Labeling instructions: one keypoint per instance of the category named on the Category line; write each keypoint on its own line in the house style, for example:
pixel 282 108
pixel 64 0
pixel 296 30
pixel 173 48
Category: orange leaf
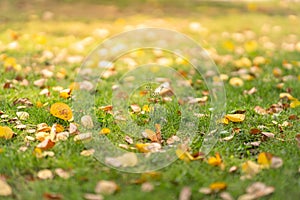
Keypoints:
pixel 218 186
pixel 61 111
pixel 215 161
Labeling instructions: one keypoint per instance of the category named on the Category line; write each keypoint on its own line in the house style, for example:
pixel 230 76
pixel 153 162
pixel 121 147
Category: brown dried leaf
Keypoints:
pixel 89 196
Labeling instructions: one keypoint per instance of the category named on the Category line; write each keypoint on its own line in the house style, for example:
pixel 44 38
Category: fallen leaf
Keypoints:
pixel 268 134
pixel 236 82
pixel 216 187
pixel 106 187
pixel 287 95
pixel 250 168
pixel 147 187
pixel 185 193
pixel 259 110
pixel 297 137
pixel 45 174
pixel 205 190
pixel 215 160
pixel 264 159
pixel 62 173
pixel 87 122
pixel 276 162
pixel 23 115
pixel 150 135
pixel 105 131
pixel 135 108
pixel 88 152
pixel 225 196
pixel 235 117
pixel 61 111
pixel 233 169
pixel 51 196
pixel 256 191
pixel 46 144
pixel 89 196
pixel 5 189
pixel 83 136
pixel 295 103
pixel 128 139
pixel 6 132
pixel 23 101
pixel 251 91
pixel 148 147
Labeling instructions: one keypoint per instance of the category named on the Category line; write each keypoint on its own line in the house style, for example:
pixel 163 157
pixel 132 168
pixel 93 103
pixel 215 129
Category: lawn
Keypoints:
pixel 44 47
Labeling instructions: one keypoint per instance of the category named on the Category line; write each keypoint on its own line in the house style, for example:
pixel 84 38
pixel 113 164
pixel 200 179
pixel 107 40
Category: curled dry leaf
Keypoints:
pixel 23 101
pixel 251 91
pixel 150 135
pixel 259 110
pixel 185 193
pixel 89 196
pixel 23 115
pixel 83 136
pixel 147 187
pixel 233 169
pixel 215 160
pixel 6 132
pixel 106 187
pixel 51 196
pixel 87 121
pixel 225 196
pixel 250 168
pixel 267 134
pixel 297 137
pixel 128 139
pixel 5 189
pixel 205 190
pixel 88 152
pixel 45 174
pixel 46 144
pixel 62 173
pixel 148 147
pixel 73 129
pixel 135 108
pixel 256 191
pixel 61 111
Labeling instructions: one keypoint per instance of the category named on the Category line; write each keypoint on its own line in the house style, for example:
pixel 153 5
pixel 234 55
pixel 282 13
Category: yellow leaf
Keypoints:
pixel 38 152
pixel 146 108
pixel 250 168
pixel 295 103
pixel 287 95
pixel 142 147
pixel 235 117
pixel 235 81
pixel 224 120
pixel 182 155
pixel 264 159
pixel 218 186
pixel 6 132
pixel 215 160
pixel 105 131
pixel 251 46
pixel 61 111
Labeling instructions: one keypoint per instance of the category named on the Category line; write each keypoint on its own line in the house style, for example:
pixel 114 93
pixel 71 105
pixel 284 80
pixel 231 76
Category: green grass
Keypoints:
pixel 20 168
